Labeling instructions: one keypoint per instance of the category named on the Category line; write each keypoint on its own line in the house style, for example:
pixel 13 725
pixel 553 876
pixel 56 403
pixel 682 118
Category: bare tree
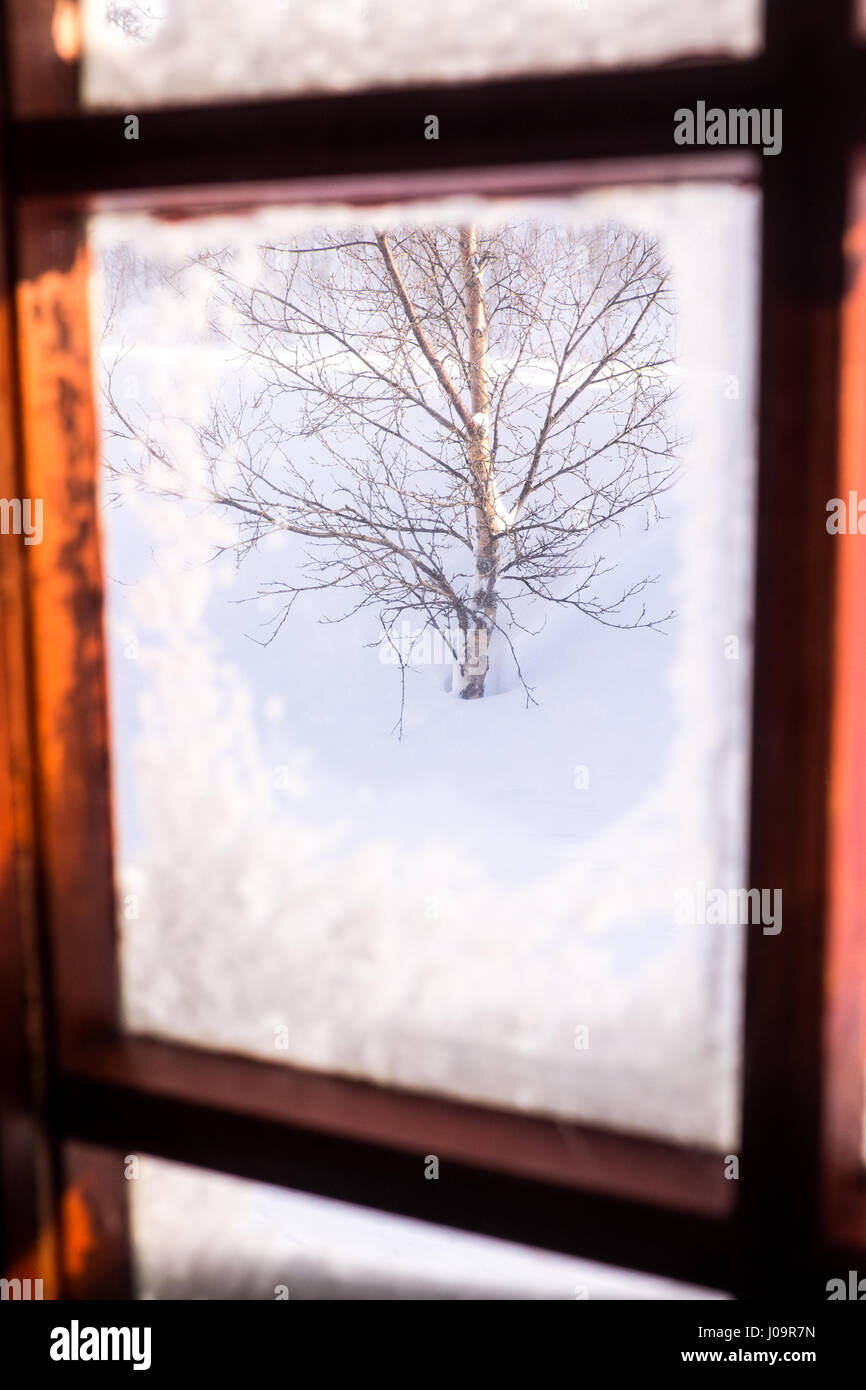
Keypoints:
pixel 448 418
pixel 132 17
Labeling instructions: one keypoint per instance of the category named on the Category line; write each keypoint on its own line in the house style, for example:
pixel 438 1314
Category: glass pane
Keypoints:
pixel 202 1235
pixel 141 53
pixel 431 642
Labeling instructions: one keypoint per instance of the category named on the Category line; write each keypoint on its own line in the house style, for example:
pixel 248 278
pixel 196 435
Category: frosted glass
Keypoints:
pixel 485 907
pixel 202 1235
pixel 145 52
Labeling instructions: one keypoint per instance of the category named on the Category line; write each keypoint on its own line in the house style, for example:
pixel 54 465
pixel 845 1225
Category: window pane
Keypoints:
pixel 431 729
pixel 145 52
pixel 202 1235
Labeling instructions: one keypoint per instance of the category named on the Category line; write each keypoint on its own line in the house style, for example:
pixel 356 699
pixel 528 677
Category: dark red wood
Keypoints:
pixel 28 1232
pixel 802 285
pixel 519 123
pixel 41 82
pixel 616 1199
pixel 646 1170
pixel 610 1197
pixel 363 190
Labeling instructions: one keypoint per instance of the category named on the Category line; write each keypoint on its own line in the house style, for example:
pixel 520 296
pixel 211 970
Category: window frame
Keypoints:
pixel 84 1094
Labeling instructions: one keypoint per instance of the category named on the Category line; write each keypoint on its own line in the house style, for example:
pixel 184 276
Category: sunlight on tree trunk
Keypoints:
pixel 482 623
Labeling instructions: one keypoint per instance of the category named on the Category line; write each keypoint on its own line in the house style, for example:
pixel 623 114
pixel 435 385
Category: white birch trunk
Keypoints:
pixel 480 624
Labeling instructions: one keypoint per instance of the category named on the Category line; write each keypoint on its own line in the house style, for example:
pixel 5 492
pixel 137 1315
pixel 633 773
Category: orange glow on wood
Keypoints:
pixel 66 30
pixel 79 1245
pixel 79 1239
pixel 846 962
pixel 61 467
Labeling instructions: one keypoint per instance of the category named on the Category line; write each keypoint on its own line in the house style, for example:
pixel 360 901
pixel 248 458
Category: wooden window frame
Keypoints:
pixel 75 1091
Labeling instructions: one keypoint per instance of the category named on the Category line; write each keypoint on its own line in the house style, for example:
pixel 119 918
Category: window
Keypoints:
pixel 203 1234
pixel 165 53
pixel 151 924
pixel 509 875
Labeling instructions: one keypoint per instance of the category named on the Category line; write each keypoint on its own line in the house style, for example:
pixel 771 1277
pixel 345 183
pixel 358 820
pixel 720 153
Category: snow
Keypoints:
pixel 504 516
pixel 193 50
pixel 444 910
pixel 204 1235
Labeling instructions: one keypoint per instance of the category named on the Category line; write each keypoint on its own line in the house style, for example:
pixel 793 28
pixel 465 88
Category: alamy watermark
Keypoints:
pixel 77 1343
pixel 22 516
pixel 409 646
pixel 737 126
pixel 854 1288
pixel 20 1289
pixel 847 516
pixel 700 906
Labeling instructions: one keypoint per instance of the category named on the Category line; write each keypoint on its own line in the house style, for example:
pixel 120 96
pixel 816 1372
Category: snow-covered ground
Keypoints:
pixel 448 910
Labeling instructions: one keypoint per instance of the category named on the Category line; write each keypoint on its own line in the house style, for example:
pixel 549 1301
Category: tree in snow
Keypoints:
pixel 133 18
pixel 449 420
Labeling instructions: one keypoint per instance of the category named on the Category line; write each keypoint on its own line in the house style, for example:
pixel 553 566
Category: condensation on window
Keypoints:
pixel 201 1235
pixel 512 901
pixel 140 53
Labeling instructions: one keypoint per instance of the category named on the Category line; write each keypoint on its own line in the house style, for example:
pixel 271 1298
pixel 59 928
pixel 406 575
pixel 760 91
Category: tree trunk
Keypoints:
pixel 479 629
pixel 474 662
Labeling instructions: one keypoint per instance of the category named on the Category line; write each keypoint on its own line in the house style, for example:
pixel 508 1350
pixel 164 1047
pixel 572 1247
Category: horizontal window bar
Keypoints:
pixel 639 1203
pixel 620 115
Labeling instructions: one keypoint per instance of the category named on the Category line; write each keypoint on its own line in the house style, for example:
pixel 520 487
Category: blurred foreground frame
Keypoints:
pixel 76 1093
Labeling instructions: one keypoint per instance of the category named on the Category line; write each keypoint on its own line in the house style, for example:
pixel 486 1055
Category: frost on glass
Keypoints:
pixel 145 52
pixel 486 906
pixel 198 1234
